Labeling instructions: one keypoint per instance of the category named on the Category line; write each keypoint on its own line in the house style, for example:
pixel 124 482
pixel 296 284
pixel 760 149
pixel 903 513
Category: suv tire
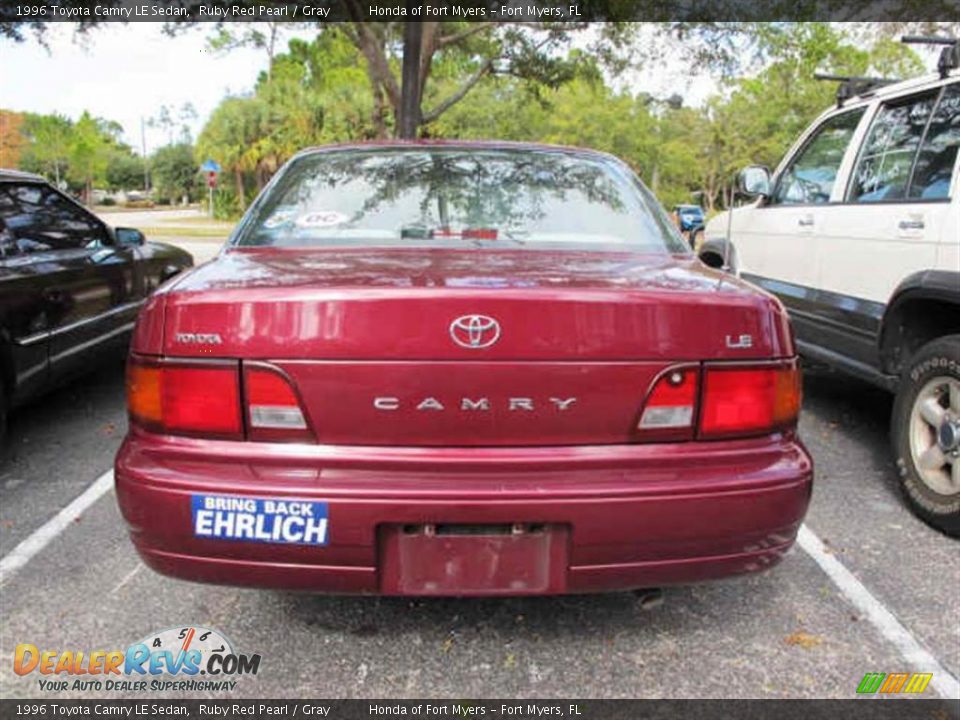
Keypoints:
pixel 925 432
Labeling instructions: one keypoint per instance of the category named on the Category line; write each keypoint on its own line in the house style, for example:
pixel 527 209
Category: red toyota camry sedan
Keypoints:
pixel 460 369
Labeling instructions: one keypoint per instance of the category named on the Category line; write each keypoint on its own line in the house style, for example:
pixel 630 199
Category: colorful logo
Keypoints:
pixel 890 683
pixel 187 652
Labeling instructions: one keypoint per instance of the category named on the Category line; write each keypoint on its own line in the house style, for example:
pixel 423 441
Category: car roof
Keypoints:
pixel 458 145
pixel 904 87
pixel 7 175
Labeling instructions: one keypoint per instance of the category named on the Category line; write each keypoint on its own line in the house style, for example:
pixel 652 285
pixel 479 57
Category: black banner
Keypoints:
pixel 864 708
pixel 97 11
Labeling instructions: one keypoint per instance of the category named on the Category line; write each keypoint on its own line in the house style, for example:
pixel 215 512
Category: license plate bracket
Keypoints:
pixel 418 560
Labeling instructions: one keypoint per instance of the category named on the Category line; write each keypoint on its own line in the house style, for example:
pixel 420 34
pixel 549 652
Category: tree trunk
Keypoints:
pixel 238 178
pixel 409 119
pixel 379 114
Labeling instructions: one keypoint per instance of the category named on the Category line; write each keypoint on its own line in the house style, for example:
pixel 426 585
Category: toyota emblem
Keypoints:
pixel 475 332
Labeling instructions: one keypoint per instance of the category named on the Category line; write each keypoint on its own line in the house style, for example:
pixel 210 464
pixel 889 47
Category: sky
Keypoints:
pixel 127 72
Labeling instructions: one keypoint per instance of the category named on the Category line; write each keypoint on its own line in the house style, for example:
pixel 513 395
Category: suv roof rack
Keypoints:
pixel 853 86
pixel 949 56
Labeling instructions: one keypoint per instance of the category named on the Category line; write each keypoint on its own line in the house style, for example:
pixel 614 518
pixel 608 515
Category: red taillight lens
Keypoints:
pixel 273 409
pixel 740 401
pixel 186 399
pixel 668 413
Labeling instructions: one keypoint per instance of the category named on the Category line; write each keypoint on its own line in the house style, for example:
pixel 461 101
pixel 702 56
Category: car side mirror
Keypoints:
pixel 129 237
pixel 754 181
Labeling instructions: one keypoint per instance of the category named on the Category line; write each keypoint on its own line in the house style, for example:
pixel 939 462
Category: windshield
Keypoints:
pixel 458 197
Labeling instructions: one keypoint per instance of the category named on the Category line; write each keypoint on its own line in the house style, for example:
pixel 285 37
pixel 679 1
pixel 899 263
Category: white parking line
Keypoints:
pixel 882 619
pixel 41 537
pixel 879 616
pixel 126 578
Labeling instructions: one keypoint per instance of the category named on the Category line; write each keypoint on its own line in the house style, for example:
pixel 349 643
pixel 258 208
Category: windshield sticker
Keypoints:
pixel 281 217
pixel 323 218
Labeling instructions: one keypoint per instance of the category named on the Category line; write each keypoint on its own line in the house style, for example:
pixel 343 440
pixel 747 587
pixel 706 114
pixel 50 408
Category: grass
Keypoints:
pixel 188 231
pixel 198 221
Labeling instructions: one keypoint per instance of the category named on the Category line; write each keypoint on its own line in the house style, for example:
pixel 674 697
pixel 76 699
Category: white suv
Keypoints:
pixel 858 233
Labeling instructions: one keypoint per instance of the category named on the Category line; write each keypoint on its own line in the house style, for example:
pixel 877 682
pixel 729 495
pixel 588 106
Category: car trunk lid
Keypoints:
pixel 468 348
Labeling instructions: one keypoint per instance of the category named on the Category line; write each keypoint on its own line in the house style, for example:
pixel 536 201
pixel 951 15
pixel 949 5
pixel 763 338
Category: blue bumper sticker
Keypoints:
pixel 270 520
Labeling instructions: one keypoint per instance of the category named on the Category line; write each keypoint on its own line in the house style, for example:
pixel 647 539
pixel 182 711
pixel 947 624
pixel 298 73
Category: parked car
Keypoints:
pixel 460 369
pixel 70 287
pixel 690 217
pixel 858 233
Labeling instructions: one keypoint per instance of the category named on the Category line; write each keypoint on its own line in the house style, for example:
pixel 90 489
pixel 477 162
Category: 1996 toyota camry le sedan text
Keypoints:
pixel 460 369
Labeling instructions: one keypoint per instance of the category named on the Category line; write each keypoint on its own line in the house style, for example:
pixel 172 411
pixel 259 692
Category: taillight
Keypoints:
pixel 669 410
pixel 188 398
pixel 203 399
pixel 749 400
pixel 273 409
pixel 734 401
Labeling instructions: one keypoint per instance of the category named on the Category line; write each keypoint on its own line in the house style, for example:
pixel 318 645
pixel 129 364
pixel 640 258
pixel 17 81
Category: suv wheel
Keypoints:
pixel 926 433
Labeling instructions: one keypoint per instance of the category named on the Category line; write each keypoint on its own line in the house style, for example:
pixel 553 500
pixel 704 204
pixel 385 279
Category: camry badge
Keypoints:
pixel 475 332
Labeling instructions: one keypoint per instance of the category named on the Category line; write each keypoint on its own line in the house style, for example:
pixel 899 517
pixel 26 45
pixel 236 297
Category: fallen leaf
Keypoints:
pixel 804 640
pixel 510 661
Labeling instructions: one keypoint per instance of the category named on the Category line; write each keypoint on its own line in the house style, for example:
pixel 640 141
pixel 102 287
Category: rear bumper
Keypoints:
pixel 619 517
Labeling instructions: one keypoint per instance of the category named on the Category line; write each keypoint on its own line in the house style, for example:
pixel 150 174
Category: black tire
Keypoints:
pixel 935 360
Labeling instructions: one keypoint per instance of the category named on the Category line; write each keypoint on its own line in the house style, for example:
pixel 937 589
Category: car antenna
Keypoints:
pixel 949 56
pixel 726 245
pixel 851 86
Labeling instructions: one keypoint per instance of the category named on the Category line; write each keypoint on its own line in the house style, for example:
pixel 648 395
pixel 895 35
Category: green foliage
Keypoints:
pixel 84 153
pixel 175 173
pixel 87 153
pixel 124 170
pixel 48 141
pixel 315 93
pixel 324 91
pixel 226 205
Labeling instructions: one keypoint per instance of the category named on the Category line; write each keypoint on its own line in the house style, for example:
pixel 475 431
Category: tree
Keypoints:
pixel 87 153
pixel 228 137
pixel 175 172
pixel 124 169
pixel 168 119
pixel 251 35
pixel 401 59
pixel 48 141
pixel 11 138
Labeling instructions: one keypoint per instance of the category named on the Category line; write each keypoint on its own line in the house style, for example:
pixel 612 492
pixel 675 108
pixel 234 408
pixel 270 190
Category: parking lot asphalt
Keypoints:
pixel 791 632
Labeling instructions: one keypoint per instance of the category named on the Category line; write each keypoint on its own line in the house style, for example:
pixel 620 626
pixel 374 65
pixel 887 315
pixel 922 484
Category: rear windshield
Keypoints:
pixel 454 197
